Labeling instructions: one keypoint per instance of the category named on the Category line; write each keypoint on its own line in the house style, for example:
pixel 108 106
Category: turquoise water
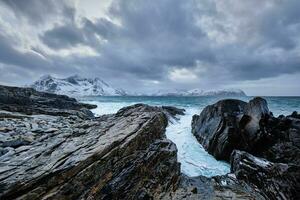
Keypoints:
pixel 194 159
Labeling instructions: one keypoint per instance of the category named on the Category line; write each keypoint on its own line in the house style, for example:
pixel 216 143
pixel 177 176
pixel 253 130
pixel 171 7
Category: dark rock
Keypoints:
pixel 232 125
pixel 295 115
pixel 30 102
pixel 220 187
pixel 276 180
pixel 169 111
pixel 216 127
pixel 173 110
pixel 121 156
pixel 15 143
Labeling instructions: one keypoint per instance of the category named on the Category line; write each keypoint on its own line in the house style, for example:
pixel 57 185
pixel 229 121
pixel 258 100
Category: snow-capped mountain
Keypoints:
pixel 176 92
pixel 227 92
pixel 198 92
pixel 76 86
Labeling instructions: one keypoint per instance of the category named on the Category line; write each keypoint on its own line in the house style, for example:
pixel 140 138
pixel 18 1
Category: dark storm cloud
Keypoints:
pixel 63 36
pixel 28 60
pixel 219 42
pixel 280 27
pixel 151 38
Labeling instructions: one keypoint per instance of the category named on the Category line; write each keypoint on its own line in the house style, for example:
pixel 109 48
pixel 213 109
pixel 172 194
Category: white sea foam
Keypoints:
pixel 194 159
pixel 107 107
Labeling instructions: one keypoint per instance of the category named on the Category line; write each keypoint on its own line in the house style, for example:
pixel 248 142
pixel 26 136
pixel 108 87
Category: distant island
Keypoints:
pixel 77 86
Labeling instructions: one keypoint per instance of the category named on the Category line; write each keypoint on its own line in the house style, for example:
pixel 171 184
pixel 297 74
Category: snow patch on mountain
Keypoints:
pixel 76 86
pixel 199 92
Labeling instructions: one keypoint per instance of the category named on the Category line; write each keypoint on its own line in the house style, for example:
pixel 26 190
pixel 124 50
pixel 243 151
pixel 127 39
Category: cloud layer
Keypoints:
pixel 159 44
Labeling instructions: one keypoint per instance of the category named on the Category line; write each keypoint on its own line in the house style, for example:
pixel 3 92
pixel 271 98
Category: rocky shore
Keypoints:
pixel 52 147
pixel 264 151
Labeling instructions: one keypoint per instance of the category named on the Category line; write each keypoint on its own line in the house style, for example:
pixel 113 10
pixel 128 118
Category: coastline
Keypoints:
pixel 100 157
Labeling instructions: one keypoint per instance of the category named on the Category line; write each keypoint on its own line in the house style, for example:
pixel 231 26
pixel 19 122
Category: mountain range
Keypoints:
pixel 77 86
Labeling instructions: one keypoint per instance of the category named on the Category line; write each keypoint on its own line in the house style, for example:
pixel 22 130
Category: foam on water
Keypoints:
pixel 194 159
pixel 107 107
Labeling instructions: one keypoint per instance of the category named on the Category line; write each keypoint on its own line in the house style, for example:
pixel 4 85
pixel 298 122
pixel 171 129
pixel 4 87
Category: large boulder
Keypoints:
pixel 30 102
pixel 264 150
pixel 231 124
pixel 216 127
pixel 275 180
pixel 121 156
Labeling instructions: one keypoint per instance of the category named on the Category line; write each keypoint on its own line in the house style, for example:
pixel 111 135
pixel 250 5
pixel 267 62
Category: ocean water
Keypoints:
pixel 194 159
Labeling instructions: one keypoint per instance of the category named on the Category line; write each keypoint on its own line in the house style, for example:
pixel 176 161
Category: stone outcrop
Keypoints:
pixel 51 147
pixel 216 127
pixel 29 101
pixel 234 124
pixel 217 188
pixel 275 180
pixel 120 156
pixel 270 156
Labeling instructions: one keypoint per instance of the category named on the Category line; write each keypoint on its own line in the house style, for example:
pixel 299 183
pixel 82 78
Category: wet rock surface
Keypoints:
pixel 275 180
pixel 219 187
pixel 270 145
pixel 119 156
pixel 29 101
pixel 216 127
pixel 45 154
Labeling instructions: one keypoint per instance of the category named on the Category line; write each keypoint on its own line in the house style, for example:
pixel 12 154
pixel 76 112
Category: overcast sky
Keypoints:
pixel 146 45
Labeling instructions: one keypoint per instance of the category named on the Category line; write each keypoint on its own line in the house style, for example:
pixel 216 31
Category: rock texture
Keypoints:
pixel 217 188
pixel 216 127
pixel 51 147
pixel 120 156
pixel 276 180
pixel 231 125
pixel 29 101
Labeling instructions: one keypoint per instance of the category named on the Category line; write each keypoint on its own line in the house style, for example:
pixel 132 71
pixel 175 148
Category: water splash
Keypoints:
pixel 194 159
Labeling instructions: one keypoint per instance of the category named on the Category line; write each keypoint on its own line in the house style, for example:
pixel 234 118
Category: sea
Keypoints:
pixel 195 161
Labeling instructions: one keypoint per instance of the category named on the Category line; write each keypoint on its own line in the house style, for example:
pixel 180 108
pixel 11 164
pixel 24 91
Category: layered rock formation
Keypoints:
pixel 51 147
pixel 275 180
pixel 231 125
pixel 29 101
pixel 125 155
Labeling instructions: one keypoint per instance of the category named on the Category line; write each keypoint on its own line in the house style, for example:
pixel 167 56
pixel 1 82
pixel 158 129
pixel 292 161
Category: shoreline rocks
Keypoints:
pixel 29 101
pixel 275 180
pixel 264 150
pixel 52 148
pixel 125 155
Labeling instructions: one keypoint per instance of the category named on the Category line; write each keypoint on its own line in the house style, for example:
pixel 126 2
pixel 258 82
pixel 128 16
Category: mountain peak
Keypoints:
pixel 76 85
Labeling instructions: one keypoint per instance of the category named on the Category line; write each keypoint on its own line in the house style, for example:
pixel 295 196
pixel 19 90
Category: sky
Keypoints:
pixel 143 46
